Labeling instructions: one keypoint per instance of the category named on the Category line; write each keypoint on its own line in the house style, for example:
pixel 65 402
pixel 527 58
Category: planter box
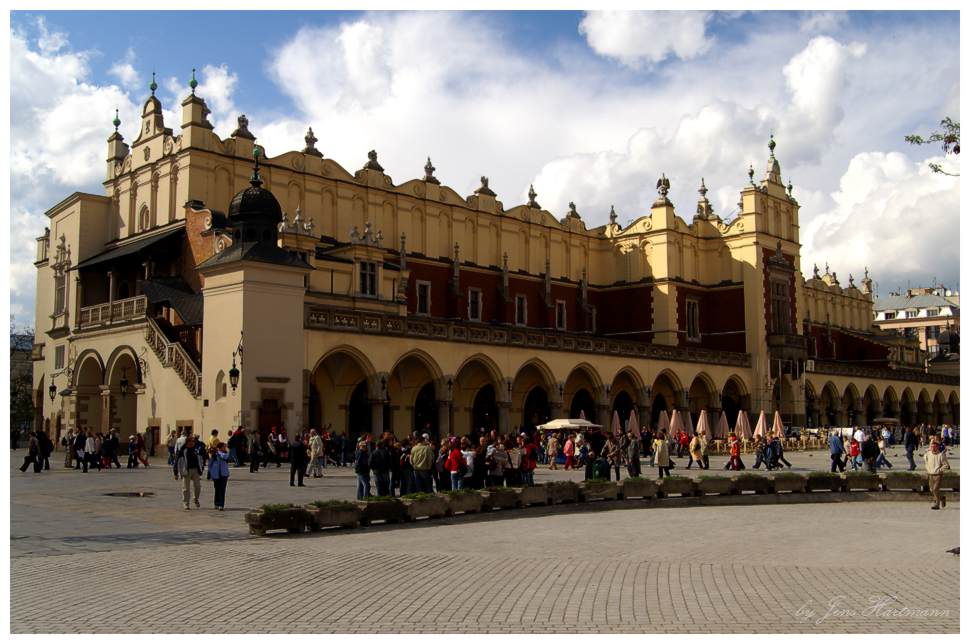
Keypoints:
pixel 633 488
pixel 903 481
pixel 591 490
pixel 951 481
pixel 501 497
pixel 823 481
pixel 563 492
pixel 864 481
pixel 293 519
pixel 433 507
pixel 465 503
pixel 789 483
pixel 753 483
pixel 388 511
pixel 535 495
pixel 333 516
pixel 723 485
pixel 682 486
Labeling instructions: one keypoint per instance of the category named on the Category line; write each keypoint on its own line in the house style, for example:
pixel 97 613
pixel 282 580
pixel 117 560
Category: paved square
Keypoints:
pixel 847 567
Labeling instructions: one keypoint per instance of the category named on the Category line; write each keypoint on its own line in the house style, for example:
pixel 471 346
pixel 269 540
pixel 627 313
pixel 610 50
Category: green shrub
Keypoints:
pixel 597 480
pixel 789 475
pixel 461 492
pixel 561 483
pixel 750 476
pixel 418 496
pixel 706 477
pixel 859 473
pixel 270 508
pixel 377 499
pixel 678 478
pixel 336 504
pixel 819 475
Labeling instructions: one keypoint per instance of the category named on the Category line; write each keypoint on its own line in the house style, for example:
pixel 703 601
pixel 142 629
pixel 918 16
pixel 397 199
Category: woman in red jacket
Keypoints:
pixel 454 464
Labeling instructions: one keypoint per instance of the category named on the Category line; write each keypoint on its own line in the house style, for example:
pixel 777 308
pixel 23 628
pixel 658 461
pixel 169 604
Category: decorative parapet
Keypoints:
pixel 910 375
pixel 332 319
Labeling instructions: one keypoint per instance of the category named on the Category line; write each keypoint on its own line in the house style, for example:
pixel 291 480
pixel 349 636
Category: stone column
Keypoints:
pixel 504 409
pixel 376 417
pixel 644 413
pixel 444 418
pixel 603 416
pixel 77 301
pixel 106 409
pixel 111 294
pixel 555 409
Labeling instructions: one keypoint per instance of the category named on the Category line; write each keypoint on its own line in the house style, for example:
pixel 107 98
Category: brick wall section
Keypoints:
pixel 835 344
pixel 196 248
pixel 721 313
pixel 626 309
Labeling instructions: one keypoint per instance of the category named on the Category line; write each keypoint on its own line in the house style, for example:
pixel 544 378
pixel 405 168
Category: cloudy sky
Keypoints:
pixel 589 107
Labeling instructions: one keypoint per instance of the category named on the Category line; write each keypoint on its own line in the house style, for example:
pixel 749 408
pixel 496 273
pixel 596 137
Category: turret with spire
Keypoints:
pixel 704 209
pixel 196 128
pixel 117 148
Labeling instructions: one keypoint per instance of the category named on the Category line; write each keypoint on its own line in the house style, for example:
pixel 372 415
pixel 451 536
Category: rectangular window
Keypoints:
pixel 424 298
pixel 780 307
pixel 368 278
pixel 59 357
pixel 693 320
pixel 890 315
pixel 561 315
pixel 475 304
pixel 521 315
pixel 911 314
pixel 60 287
pixel 932 313
pixel 932 332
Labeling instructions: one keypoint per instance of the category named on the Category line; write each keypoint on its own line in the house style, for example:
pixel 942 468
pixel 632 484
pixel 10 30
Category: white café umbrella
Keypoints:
pixel 617 428
pixel 703 426
pixel 761 429
pixel 688 423
pixel 633 423
pixel 567 423
pixel 663 423
pixel 777 427
pixel 676 424
pixel 742 427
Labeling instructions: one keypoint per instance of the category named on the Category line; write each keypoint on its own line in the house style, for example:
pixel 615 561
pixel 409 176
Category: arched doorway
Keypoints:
pixel 871 403
pixel 484 411
pixel 954 401
pixel 426 411
pixel 535 410
pixel 667 392
pixel 732 398
pixel 890 404
pixel 907 408
pixel 359 420
pixel 340 382
pixel 124 405
pixel 622 406
pixel 88 379
pixel 583 405
pixel 850 402
pixel 701 395
pixel 476 391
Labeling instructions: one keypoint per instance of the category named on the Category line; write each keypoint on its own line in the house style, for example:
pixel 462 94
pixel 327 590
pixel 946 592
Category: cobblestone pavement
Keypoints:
pixel 121 564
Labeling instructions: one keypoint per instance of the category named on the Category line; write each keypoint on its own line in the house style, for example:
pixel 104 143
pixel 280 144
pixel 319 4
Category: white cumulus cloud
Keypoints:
pixel 637 37
pixel 124 69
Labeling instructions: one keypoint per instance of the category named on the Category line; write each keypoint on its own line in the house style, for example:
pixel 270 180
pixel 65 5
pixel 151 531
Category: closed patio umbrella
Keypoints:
pixel 676 424
pixel 777 427
pixel 761 429
pixel 633 423
pixel 688 423
pixel 663 423
pixel 742 427
pixel 617 430
pixel 703 426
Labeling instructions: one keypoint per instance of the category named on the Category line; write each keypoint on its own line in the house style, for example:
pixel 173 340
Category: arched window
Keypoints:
pixel 144 219
pixel 220 385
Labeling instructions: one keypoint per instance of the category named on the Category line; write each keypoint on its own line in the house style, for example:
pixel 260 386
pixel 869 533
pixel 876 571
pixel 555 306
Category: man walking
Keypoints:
pixel 422 460
pixel 188 467
pixel 68 443
pixel 33 453
pixel 910 443
pixel 380 463
pixel 836 451
pixel 362 470
pixel 936 464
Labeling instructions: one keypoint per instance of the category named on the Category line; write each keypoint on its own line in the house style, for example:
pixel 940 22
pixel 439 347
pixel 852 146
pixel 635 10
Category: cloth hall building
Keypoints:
pixel 211 286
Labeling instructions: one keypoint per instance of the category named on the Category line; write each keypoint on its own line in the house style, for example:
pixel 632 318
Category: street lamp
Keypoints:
pixel 123 383
pixel 234 371
pixel 52 391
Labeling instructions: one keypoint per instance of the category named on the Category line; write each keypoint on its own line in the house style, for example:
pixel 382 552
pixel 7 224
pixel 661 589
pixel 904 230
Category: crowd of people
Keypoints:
pixel 422 463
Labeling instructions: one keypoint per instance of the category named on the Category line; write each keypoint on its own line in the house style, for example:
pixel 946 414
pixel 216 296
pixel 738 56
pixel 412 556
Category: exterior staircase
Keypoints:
pixel 173 355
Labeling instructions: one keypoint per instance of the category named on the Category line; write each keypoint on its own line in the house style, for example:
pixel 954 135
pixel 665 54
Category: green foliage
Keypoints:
pixel 334 504
pixel 462 492
pixel 750 477
pixel 597 481
pixel 419 496
pixel 270 508
pixel 949 138
pixel 827 476
pixel 379 499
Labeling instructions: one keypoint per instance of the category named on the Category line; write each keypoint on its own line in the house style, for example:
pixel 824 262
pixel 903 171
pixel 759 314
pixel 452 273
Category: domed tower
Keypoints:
pixel 254 213
pixel 253 295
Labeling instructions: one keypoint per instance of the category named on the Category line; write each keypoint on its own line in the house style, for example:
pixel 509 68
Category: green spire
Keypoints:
pixel 771 144
pixel 255 180
pixel 117 121
pixel 154 85
pixel 193 83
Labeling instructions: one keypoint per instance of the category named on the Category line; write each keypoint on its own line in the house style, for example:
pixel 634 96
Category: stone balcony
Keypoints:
pixel 116 312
